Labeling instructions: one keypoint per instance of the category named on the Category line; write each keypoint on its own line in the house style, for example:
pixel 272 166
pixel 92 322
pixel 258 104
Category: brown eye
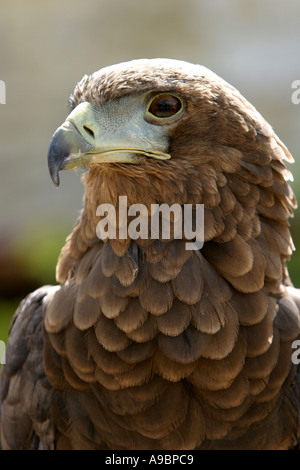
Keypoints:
pixel 164 106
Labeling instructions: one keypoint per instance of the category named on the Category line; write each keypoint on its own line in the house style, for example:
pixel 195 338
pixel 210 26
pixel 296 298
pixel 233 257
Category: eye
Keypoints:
pixel 165 106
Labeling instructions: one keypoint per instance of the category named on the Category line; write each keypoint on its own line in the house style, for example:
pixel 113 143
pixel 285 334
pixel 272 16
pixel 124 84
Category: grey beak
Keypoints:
pixel 65 144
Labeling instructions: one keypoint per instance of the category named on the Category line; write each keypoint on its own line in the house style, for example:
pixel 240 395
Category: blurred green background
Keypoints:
pixel 47 46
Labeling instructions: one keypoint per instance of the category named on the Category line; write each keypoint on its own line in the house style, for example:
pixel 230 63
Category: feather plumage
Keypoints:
pixel 145 344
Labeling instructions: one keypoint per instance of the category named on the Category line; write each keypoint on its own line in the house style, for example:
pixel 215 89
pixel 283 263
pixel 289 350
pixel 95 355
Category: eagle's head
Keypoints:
pixel 167 131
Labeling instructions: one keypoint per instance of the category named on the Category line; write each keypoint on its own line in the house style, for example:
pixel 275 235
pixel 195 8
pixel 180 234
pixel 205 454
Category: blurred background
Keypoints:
pixel 46 47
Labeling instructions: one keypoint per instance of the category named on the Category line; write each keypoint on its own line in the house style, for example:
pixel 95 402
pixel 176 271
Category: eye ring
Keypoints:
pixel 164 107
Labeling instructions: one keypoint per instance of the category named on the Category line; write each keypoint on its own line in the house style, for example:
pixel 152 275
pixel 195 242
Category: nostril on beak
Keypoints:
pixel 89 131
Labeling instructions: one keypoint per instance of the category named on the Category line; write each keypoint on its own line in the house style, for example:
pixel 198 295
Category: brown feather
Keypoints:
pixel 253 280
pixel 132 317
pixel 109 260
pixel 175 320
pixel 96 283
pixel 155 252
pixel 228 200
pixel 171 370
pixel 157 299
pixel 261 366
pixel 111 304
pixel 233 258
pixel 86 263
pixel 212 374
pixel 146 332
pixel 137 352
pixel 260 335
pixel 216 285
pixel 160 273
pixel 57 340
pixel 152 389
pixel 109 362
pixel 245 225
pixel 76 350
pixel 230 230
pixel 138 375
pixel 251 308
pixel 238 186
pixel 187 436
pixel 188 285
pixel 175 399
pixel 208 315
pixel 72 378
pixel 109 336
pixel 59 311
pixel 86 313
pixel 108 381
pixel 230 397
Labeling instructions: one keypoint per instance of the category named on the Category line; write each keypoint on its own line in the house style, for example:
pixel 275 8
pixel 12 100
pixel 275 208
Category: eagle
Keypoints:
pixel 144 344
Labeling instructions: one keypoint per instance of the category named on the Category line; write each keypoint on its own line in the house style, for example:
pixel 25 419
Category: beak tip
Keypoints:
pixel 54 172
pixel 55 179
pixel 56 182
pixel 65 142
pixel 56 156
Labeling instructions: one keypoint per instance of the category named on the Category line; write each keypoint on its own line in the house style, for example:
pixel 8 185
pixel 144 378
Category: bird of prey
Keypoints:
pixel 143 343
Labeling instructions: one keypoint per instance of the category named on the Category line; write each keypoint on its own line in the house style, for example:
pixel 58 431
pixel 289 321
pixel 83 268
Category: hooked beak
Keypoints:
pixel 66 145
pixel 81 140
